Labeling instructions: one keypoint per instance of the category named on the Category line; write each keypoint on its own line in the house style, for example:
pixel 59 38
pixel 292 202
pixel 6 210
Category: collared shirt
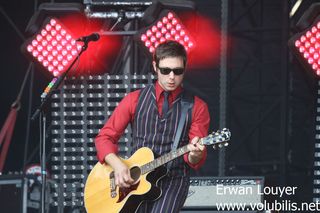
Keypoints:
pixel 107 140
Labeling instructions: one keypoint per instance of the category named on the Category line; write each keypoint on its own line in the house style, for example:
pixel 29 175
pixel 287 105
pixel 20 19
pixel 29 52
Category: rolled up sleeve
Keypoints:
pixel 199 127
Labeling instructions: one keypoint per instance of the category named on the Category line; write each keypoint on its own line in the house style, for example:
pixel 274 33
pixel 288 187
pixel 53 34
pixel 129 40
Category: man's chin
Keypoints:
pixel 171 88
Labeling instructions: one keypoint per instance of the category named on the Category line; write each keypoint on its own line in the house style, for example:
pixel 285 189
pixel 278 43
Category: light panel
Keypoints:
pixel 308 45
pixel 53 47
pixel 167 27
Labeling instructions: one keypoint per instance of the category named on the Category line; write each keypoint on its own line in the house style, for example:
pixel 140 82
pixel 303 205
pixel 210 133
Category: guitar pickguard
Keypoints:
pixel 123 192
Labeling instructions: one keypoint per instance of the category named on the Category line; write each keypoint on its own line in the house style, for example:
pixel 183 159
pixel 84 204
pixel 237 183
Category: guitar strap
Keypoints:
pixel 187 100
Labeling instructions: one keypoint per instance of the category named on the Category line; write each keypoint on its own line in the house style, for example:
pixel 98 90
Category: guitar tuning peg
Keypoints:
pixel 214 147
pixel 226 144
pixel 220 145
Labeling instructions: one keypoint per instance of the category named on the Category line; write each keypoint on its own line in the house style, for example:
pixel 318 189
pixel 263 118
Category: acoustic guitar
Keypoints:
pixel 101 194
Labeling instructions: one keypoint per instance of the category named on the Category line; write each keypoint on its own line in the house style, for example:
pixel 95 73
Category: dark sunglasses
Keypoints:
pixel 166 70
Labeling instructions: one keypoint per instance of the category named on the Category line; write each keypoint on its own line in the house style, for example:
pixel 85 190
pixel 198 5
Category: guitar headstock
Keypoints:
pixel 218 139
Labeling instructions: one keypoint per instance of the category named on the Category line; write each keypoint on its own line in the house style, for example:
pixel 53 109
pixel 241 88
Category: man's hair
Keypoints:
pixel 169 49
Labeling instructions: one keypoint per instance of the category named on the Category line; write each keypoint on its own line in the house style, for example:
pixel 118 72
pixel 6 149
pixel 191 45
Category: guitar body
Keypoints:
pixel 101 195
pixel 98 195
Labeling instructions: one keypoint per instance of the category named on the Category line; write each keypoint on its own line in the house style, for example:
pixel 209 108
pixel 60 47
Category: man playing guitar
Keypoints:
pixel 154 113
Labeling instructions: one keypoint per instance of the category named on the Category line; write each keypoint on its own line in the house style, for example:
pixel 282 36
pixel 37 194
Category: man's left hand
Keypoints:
pixel 196 150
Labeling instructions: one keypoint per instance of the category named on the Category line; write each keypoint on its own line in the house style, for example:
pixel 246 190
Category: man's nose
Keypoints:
pixel 171 74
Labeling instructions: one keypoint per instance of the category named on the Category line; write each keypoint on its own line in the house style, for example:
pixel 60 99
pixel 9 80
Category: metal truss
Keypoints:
pixel 257 87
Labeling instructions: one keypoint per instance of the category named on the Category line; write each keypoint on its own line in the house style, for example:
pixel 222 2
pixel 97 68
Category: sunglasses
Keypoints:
pixel 167 71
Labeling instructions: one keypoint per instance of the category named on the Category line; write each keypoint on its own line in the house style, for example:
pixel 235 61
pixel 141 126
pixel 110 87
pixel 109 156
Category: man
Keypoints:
pixel 154 114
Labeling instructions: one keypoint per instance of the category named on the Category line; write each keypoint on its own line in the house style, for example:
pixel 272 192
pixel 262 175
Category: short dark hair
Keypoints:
pixel 170 49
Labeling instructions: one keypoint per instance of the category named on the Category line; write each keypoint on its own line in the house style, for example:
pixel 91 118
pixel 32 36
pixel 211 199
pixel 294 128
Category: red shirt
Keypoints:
pixel 107 140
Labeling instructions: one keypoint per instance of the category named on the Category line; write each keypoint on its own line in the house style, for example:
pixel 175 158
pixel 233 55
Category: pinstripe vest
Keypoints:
pixel 157 133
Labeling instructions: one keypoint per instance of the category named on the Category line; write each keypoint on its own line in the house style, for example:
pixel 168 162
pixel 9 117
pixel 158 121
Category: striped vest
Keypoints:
pixel 157 133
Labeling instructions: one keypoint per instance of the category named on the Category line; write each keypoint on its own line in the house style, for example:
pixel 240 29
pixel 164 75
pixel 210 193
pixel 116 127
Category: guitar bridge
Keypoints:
pixel 113 186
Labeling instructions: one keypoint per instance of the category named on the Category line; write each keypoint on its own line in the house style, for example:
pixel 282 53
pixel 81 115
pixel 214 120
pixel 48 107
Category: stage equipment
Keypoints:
pixel 21 194
pixel 97 58
pixel 79 110
pixel 46 10
pixel 8 127
pixel 316 174
pixel 206 192
pixel 161 23
pixel 41 111
pixel 147 10
pixel 167 27
pixel 13 193
pixel 306 46
pixel 306 43
pixel 53 48
pixel 6 133
pixel 115 10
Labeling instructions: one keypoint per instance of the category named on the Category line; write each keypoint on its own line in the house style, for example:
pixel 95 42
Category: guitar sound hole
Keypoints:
pixel 135 173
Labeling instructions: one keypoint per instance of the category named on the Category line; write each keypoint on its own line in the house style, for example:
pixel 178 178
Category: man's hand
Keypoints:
pixel 122 176
pixel 121 171
pixel 196 150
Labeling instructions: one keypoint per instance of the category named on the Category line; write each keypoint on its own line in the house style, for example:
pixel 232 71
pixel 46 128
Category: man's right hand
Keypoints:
pixel 121 171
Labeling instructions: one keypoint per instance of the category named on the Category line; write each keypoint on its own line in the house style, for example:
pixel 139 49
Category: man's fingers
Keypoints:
pixel 195 140
pixel 201 147
pixel 128 179
pixel 192 147
pixel 123 183
pixel 196 145
pixel 124 180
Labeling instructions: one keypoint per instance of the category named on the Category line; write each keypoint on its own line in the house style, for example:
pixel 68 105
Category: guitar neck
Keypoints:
pixel 148 167
pixel 216 139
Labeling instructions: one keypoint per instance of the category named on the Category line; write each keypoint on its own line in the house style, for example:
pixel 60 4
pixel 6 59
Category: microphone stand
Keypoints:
pixel 41 112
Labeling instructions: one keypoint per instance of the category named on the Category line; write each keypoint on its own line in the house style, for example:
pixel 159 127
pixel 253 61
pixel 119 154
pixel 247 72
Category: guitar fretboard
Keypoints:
pixel 148 167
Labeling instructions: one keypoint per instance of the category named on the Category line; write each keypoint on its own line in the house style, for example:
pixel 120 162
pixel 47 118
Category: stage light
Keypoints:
pixel 306 44
pixel 53 47
pixel 167 27
pixel 46 10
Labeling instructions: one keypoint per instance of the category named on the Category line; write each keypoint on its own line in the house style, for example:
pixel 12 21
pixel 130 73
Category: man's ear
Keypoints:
pixel 154 66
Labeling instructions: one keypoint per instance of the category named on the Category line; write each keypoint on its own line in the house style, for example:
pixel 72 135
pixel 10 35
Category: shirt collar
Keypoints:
pixel 174 94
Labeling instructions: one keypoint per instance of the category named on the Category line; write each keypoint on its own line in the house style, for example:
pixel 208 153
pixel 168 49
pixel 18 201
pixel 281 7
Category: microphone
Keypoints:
pixel 87 39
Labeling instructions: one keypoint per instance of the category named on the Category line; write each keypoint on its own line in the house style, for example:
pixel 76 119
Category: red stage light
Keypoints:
pixel 53 48
pixel 167 27
pixel 306 46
